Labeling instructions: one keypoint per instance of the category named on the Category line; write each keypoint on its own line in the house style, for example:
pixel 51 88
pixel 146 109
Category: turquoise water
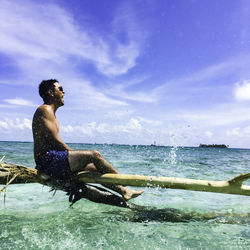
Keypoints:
pixel 34 218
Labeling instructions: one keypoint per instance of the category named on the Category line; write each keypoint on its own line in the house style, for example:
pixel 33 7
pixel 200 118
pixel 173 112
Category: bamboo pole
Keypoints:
pixel 233 186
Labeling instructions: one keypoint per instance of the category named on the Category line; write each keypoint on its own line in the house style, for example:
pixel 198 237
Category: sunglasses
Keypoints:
pixel 60 88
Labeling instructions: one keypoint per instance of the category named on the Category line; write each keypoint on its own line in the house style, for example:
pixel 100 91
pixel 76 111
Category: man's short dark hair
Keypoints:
pixel 44 86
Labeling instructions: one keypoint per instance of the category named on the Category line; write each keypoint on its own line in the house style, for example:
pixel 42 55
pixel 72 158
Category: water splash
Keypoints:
pixel 173 151
pixel 173 155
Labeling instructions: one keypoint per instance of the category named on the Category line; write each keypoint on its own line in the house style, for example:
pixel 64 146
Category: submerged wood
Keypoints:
pixel 233 186
pixel 18 174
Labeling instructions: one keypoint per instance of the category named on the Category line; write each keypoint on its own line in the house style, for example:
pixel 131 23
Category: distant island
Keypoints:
pixel 213 146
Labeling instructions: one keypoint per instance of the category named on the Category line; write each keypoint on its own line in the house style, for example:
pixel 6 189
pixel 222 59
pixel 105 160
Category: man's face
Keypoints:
pixel 58 93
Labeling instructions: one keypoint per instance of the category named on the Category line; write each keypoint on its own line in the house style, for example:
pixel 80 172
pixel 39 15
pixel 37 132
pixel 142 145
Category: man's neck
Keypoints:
pixel 53 106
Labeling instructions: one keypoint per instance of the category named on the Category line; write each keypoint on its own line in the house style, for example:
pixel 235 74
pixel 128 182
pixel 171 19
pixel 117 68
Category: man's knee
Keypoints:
pixel 96 154
pixel 90 167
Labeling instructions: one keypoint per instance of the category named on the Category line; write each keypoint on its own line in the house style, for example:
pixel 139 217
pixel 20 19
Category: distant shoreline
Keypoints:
pixel 213 146
pixel 135 145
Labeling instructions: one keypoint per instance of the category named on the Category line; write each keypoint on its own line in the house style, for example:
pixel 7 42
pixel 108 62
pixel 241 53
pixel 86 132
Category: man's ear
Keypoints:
pixel 50 92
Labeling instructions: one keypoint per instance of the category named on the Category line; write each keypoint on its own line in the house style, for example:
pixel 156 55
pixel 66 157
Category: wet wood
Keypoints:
pixel 13 173
pixel 18 174
pixel 232 186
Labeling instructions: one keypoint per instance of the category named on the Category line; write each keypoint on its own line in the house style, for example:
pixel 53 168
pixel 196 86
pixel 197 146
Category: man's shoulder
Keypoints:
pixel 44 110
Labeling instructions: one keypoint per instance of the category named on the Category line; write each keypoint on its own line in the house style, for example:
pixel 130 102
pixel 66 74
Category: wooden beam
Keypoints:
pixel 12 173
pixel 18 174
pixel 233 186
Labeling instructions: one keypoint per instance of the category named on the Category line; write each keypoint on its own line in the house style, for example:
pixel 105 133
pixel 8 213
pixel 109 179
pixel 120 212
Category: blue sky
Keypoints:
pixel 134 72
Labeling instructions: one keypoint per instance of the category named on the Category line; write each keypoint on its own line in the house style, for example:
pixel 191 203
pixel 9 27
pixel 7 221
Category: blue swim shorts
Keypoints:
pixel 55 164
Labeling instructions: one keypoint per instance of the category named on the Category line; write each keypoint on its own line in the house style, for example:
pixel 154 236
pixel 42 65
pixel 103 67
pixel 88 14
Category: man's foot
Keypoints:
pixel 130 194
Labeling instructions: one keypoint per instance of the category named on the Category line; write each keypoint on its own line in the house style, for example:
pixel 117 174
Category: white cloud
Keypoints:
pixel 103 128
pixel 19 101
pixel 246 131
pixel 148 121
pixel 11 125
pixel 89 129
pixel 82 94
pixel 92 128
pixel 234 132
pixel 120 90
pixel 4 125
pixel 123 60
pixel 199 79
pixel 209 133
pixel 44 41
pixel 68 129
pixel 134 124
pixel 180 87
pixel 242 91
pixel 123 54
pixel 221 115
pixel 46 34
pixel 242 132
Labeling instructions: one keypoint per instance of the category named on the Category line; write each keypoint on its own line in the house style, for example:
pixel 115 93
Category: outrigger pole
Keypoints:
pixel 12 173
pixel 232 186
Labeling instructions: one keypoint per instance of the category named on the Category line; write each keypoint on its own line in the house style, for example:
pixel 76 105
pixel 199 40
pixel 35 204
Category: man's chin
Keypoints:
pixel 61 103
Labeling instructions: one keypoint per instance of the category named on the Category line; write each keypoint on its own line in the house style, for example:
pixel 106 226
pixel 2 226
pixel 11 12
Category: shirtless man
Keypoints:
pixel 56 158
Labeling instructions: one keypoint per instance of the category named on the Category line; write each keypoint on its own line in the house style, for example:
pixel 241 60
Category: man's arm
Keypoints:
pixel 51 130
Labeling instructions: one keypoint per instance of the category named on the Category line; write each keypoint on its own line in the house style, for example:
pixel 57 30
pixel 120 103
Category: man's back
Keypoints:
pixel 45 129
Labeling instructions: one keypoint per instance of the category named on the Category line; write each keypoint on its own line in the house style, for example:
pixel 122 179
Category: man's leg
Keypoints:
pixel 91 160
pixel 79 159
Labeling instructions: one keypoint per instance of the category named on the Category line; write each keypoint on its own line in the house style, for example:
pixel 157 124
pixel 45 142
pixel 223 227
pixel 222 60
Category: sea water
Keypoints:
pixel 34 218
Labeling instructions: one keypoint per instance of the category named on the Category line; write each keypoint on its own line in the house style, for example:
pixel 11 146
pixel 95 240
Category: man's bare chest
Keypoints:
pixel 56 125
